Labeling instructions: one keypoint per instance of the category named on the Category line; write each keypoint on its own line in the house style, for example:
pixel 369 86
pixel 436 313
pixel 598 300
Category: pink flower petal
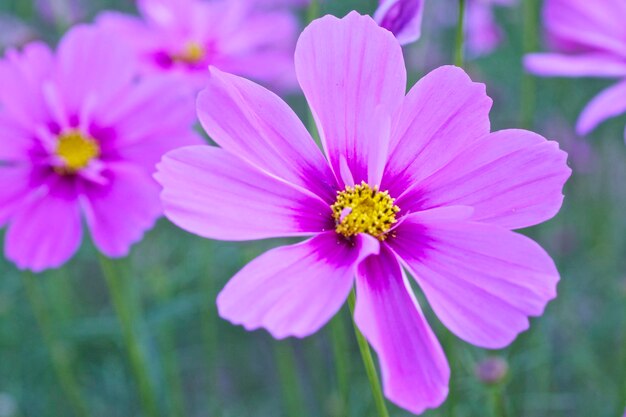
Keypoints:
pixel 213 193
pixel 256 125
pixel 135 136
pixel 92 63
pixel 353 75
pixel 121 211
pixel 264 50
pixel 294 290
pixel 414 368
pixel 442 114
pixel 15 141
pixel 583 65
pixel 609 103
pixel 585 25
pixel 482 281
pixel 403 18
pixel 21 78
pixel 512 178
pixel 15 188
pixel 166 13
pixel 46 232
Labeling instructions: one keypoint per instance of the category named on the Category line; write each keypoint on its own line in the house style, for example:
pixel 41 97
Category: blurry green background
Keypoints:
pixel 572 362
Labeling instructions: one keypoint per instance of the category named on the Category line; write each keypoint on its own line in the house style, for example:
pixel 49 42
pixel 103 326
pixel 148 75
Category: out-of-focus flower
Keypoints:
pixel 590 41
pixel 492 370
pixel 64 12
pixel 13 32
pixel 483 32
pixel 415 180
pixel 80 137
pixel 186 36
pixel 282 3
pixel 401 17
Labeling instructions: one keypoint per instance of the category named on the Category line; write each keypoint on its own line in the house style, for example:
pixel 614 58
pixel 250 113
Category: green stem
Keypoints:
pixel 61 360
pixel 210 331
pixel 127 310
pixel 368 361
pixel 496 400
pixel 313 11
pixel 292 396
pixel 460 36
pixel 528 85
pixel 342 360
pixel 163 290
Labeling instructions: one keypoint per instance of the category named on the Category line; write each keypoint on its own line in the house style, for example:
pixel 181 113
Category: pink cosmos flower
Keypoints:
pixel 415 181
pixel 591 42
pixel 79 137
pixel 186 36
pixel 401 17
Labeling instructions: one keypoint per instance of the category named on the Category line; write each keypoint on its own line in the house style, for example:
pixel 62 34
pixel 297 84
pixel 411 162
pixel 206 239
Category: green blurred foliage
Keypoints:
pixel 571 363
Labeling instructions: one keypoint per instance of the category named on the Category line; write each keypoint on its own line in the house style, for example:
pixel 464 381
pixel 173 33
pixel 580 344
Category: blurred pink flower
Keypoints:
pixel 401 17
pixel 483 33
pixel 65 12
pixel 14 32
pixel 80 137
pixel 415 181
pixel 590 41
pixel 186 36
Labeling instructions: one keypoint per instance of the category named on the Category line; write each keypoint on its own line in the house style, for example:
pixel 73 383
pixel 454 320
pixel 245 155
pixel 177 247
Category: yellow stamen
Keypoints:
pixel 363 209
pixel 76 150
pixel 193 53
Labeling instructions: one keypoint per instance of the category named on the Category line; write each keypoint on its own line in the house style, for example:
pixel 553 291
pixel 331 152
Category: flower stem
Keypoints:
pixel 163 290
pixel 313 11
pixel 497 403
pixel 528 86
pixel 59 356
pixel 342 359
pixel 286 361
pixel 460 36
pixel 126 308
pixel 368 361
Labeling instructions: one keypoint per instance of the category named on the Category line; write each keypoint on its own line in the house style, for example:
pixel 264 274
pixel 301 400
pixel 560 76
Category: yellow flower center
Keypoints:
pixel 193 53
pixel 76 150
pixel 363 209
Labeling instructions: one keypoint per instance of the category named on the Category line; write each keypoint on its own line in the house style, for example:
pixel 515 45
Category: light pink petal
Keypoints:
pixel 353 75
pixel 213 193
pixel 46 232
pixel 15 188
pixel 269 66
pixel 92 65
pixel 135 136
pixel 483 32
pixel 610 103
pixel 512 178
pixel 482 281
pixel 294 290
pixel 414 368
pixel 255 124
pixel 587 25
pixel 21 78
pixel 263 30
pixel 120 212
pixel 583 65
pixel 166 13
pixel 401 17
pixel 15 141
pixel 134 30
pixel 442 114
